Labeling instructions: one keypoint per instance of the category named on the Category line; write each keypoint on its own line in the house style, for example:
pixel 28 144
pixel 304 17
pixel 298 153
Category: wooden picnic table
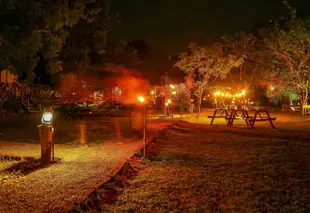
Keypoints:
pixel 258 117
pixel 219 113
pixel 238 114
pixel 230 115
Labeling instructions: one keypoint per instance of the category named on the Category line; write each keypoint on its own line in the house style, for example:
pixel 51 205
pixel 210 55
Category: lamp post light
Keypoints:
pixel 46 131
pixel 142 101
pixel 168 103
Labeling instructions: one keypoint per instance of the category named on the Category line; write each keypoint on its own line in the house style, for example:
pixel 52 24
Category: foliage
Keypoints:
pixel 74 90
pixel 122 54
pixel 57 30
pixel 287 53
pixel 243 45
pixel 206 65
pixel 183 98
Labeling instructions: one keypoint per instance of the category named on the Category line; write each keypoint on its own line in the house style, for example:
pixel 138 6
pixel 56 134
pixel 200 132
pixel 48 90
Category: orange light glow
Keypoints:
pixel 272 88
pixel 141 99
pixel 83 132
pixel 173 92
pixel 169 101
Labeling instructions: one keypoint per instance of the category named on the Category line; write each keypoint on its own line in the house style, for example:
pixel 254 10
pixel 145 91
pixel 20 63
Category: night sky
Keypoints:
pixel 170 25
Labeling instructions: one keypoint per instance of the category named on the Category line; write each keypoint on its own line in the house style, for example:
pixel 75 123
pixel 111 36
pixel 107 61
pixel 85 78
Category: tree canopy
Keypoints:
pixel 58 31
pixel 207 64
pixel 287 53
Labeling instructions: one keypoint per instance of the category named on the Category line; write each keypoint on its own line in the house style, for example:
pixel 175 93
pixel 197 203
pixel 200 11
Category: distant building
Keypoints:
pixel 7 77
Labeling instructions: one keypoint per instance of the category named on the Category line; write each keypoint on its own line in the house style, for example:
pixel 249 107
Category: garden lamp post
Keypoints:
pixel 168 103
pixel 142 101
pixel 46 131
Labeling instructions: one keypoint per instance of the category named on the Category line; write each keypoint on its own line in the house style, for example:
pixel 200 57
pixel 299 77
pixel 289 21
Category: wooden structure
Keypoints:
pixel 230 115
pixel 22 97
pixel 7 77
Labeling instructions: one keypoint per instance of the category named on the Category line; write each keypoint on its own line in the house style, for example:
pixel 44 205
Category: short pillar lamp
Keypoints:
pixel 46 131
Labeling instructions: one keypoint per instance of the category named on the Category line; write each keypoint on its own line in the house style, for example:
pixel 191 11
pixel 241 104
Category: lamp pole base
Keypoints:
pixel 46 141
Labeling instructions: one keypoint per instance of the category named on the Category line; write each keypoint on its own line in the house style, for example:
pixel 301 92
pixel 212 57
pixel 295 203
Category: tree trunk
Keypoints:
pixel 302 105
pixel 241 72
pixel 199 102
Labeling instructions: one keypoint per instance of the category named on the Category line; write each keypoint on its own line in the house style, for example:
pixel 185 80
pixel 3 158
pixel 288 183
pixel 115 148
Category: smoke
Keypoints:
pixel 131 83
pixel 81 87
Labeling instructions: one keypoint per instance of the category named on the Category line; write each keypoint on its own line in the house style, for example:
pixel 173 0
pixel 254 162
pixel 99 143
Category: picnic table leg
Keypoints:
pixel 254 119
pixel 226 114
pixel 245 115
pixel 232 118
pixel 271 124
pixel 213 117
pixel 229 118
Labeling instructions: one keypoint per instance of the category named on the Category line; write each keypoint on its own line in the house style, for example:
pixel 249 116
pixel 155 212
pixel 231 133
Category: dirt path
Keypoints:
pixel 58 186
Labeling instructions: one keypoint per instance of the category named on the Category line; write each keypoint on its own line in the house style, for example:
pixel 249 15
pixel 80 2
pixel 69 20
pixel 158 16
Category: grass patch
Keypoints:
pixel 197 170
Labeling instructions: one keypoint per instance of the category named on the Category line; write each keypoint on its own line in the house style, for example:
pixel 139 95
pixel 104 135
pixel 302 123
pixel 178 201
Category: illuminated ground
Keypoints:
pixel 198 168
pixel 194 160
pixel 285 120
pixel 55 187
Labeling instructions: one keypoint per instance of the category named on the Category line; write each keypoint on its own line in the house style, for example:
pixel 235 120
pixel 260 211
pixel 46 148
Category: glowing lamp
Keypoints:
pixel 168 101
pixel 272 88
pixel 152 92
pixel 172 86
pixel 47 117
pixel 173 92
pixel 141 99
pixel 243 92
pixel 167 104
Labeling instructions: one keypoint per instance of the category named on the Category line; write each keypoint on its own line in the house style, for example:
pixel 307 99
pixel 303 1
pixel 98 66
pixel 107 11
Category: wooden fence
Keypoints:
pixel 14 95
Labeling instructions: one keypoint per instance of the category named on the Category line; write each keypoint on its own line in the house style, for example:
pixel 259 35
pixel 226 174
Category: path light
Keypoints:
pixel 47 117
pixel 46 131
pixel 141 100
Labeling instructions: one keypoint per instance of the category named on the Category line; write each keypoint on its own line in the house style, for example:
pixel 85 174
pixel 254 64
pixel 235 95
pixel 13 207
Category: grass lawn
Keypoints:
pixel 196 168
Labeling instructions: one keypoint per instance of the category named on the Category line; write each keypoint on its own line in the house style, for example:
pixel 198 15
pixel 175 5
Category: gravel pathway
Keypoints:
pixel 58 186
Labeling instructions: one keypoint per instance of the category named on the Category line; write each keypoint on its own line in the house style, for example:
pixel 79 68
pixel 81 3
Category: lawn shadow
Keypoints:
pixel 28 166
